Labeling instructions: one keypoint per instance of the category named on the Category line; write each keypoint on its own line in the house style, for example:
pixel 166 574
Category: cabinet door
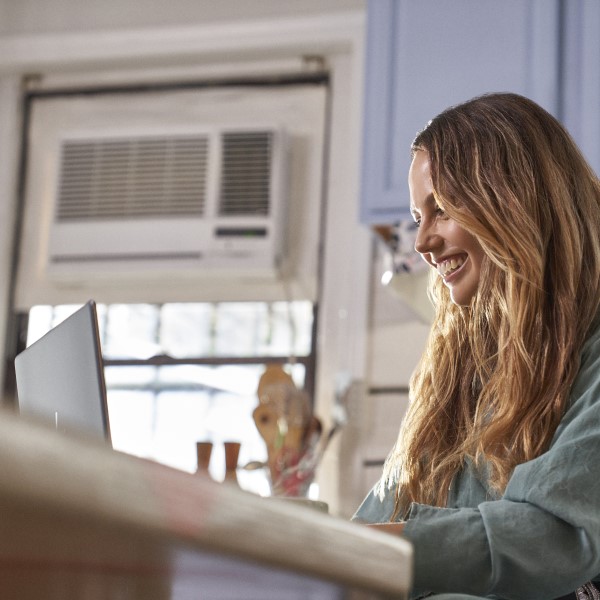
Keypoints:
pixel 581 73
pixel 425 55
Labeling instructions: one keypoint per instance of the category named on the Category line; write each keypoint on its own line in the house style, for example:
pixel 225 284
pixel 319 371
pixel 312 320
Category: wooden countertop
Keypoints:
pixel 79 520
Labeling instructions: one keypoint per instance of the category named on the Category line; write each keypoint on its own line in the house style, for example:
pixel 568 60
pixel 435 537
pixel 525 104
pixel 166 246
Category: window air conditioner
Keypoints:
pixel 193 201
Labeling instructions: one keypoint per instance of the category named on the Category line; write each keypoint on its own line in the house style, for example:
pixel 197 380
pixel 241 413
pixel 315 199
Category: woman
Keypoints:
pixel 495 476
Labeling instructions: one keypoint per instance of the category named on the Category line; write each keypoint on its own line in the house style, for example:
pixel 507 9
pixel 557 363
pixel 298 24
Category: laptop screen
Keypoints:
pixel 60 377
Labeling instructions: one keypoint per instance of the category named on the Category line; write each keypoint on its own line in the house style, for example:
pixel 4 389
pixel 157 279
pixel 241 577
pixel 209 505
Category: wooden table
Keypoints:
pixel 81 521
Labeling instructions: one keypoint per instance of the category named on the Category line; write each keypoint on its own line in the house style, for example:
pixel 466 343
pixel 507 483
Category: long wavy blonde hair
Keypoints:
pixel 494 380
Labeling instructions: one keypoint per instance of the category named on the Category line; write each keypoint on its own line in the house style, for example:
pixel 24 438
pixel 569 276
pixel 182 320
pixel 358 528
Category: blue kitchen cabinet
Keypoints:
pixel 425 55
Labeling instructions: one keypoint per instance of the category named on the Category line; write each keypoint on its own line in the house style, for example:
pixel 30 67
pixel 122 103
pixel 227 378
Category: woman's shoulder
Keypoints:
pixel 591 347
pixel 589 371
pixel 585 392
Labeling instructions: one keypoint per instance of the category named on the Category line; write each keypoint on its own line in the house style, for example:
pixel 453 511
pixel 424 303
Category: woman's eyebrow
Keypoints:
pixel 429 201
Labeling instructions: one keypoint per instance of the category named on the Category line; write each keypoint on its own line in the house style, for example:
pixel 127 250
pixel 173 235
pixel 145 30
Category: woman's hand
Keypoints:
pixel 393 528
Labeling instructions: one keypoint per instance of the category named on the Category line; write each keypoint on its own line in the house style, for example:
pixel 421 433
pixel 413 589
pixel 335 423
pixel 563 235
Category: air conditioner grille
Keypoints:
pixel 246 173
pixel 132 177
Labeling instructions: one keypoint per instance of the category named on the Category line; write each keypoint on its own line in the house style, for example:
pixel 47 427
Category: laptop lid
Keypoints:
pixel 60 377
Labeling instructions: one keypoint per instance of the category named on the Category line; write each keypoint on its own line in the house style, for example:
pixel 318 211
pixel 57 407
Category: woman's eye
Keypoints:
pixel 439 211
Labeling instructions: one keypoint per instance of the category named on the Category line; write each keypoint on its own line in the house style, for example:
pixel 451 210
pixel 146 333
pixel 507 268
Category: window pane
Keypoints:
pixel 131 331
pixel 187 329
pixel 192 329
pixel 166 426
pixel 160 412
pixel 241 329
pixel 290 329
pixel 132 418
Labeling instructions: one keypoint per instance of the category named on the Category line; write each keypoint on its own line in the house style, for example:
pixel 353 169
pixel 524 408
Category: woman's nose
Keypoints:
pixel 428 239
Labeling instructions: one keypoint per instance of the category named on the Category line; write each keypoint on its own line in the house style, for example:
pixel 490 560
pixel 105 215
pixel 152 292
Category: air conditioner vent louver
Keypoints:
pixel 246 174
pixel 132 178
pixel 148 201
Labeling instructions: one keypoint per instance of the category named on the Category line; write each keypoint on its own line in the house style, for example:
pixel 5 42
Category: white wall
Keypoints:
pixel 67 16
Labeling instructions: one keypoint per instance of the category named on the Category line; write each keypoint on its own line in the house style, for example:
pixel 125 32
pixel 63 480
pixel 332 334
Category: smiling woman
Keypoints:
pixel 493 474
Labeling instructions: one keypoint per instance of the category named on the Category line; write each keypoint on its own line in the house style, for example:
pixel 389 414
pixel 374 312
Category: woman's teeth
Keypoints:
pixel 449 266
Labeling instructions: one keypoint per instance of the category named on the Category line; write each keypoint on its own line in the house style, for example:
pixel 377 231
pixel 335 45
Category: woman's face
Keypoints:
pixel 442 242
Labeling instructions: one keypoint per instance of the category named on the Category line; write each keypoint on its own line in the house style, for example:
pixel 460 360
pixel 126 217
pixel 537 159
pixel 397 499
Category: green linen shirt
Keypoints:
pixel 541 539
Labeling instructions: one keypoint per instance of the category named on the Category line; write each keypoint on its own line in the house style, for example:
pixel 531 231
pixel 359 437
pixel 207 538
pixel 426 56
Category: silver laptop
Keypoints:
pixel 60 377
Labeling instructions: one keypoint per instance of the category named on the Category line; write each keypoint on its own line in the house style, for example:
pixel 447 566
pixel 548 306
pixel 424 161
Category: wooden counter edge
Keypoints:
pixel 42 468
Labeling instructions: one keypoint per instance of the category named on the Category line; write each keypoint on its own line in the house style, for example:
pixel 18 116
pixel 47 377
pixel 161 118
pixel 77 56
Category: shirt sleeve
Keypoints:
pixel 542 538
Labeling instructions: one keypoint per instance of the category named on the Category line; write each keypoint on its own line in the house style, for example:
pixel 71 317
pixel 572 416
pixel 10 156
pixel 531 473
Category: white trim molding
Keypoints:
pixel 258 39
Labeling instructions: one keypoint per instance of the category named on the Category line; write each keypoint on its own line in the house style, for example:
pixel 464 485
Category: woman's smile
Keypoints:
pixel 450 266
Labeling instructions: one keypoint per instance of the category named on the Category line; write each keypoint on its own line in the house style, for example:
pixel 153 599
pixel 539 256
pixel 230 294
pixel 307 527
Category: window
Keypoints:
pixel 177 374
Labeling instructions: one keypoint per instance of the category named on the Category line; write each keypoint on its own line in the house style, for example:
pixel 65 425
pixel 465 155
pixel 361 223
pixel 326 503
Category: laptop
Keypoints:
pixel 60 377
